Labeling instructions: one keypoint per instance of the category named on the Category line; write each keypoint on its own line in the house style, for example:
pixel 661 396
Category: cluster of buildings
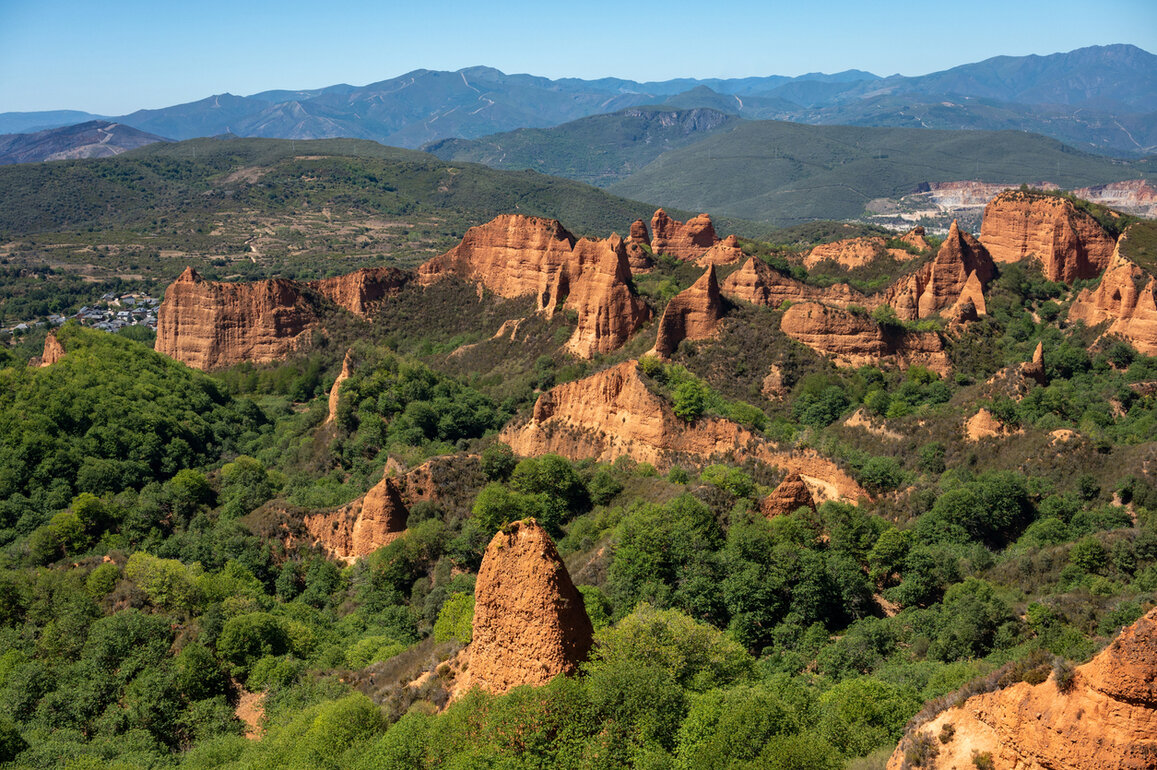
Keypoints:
pixel 110 313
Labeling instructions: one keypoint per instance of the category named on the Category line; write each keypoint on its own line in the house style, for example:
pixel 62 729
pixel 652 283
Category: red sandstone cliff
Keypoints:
pixel 613 413
pixel 958 274
pixel 638 245
pixel 683 240
pixel 848 253
pixel 915 238
pixel 1106 720
pixel 853 339
pixel 375 519
pixel 1126 297
pixel 693 314
pixel 725 252
pixel 1069 243
pixel 210 325
pixel 761 284
pixel 515 256
pixel 530 624
pixel 360 290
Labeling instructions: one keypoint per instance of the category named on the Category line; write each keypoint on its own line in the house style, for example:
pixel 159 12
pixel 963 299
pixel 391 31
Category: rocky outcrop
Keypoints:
pixel 915 238
pixel 682 240
pixel 359 291
pixel 791 495
pixel 335 391
pixel 375 519
pixel 1105 719
pixel 638 245
pixel 855 339
pixel 955 277
pixel 1069 243
pixel 613 414
pixel 761 284
pixel 1035 369
pixel 515 256
pixel 53 351
pixel 1135 196
pixel 209 325
pixel 530 623
pixel 726 252
pixel 848 253
pixel 1126 298
pixel 692 314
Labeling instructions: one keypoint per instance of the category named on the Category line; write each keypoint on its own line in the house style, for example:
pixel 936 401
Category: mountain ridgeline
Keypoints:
pixel 1107 108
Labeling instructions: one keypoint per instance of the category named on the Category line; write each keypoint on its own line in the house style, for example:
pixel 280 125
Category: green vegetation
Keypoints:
pixel 832 172
pixel 155 566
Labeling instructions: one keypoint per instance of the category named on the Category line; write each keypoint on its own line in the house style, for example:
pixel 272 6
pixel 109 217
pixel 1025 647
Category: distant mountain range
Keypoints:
pixel 93 139
pixel 1101 99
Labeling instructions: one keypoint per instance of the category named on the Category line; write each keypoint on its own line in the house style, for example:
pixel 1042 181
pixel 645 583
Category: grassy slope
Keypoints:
pixel 785 172
pixel 598 150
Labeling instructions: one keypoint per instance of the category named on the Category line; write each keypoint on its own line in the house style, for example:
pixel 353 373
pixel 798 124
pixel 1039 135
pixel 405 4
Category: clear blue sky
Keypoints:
pixel 113 56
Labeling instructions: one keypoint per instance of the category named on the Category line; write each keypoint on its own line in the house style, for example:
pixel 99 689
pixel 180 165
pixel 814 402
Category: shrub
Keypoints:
pixel 921 750
pixel 455 619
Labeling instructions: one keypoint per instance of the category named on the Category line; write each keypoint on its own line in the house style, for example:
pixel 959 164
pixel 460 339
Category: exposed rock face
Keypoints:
pixel 612 413
pixel 683 240
pixel 761 284
pixel 530 624
pixel 335 391
pixel 1135 196
pixel 360 290
pixel 983 425
pixel 915 238
pixel 1127 298
pixel 693 314
pixel 856 340
pixel 726 252
pixel 848 253
pixel 375 519
pixel 210 325
pixel 959 273
pixel 1035 369
pixel 791 495
pixel 638 246
pixel 53 350
pixel 1107 720
pixel 1069 243
pixel 515 256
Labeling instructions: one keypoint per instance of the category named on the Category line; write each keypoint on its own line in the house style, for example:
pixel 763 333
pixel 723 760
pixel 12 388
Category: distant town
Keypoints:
pixel 110 313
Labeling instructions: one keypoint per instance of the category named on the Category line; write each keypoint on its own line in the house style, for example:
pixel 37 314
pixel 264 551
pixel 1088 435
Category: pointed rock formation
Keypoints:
pixel 1105 719
pixel 1126 297
pixel 530 623
pixel 1069 243
pixel 791 495
pixel 726 252
pixel 638 246
pixel 612 413
pixel 335 391
pixel 682 240
pixel 848 253
pixel 375 519
pixel 854 339
pixel 209 325
pixel 692 314
pixel 960 271
pixel 761 284
pixel 1035 369
pixel 53 350
pixel 515 256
